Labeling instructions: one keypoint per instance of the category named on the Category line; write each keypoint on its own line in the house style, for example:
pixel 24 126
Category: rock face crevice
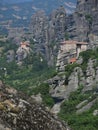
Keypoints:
pixel 47 31
pixel 60 90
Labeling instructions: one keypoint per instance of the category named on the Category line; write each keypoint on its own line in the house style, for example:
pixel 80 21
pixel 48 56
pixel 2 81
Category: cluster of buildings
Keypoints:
pixel 69 52
pixel 23 51
pixel 25 44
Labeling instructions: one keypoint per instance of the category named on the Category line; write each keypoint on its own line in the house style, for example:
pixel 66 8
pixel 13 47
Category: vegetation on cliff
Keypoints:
pixel 85 120
pixel 28 77
pixel 69 111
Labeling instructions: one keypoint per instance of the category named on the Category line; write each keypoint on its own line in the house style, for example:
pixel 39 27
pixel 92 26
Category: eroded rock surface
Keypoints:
pixel 16 113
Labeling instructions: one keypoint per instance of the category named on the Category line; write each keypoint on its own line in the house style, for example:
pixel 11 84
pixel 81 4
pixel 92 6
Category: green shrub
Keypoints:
pixel 44 90
pixel 89 18
pixel 84 121
pixel 66 36
pixel 68 70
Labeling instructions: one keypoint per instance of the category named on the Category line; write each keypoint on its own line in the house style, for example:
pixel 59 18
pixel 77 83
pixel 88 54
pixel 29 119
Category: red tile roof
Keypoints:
pixel 25 43
pixel 72 42
pixel 84 43
pixel 72 60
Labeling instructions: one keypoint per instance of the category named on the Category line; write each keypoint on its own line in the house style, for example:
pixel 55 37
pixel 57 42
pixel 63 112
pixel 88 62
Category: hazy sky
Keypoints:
pixel 15 1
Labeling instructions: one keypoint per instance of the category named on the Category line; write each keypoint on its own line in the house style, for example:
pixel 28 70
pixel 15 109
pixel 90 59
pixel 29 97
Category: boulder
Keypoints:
pixel 37 98
pixel 56 108
pixel 86 107
pixel 81 104
pixel 95 113
pixel 19 112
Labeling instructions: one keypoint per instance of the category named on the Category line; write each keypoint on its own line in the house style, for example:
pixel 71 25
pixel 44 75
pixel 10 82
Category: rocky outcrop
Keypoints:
pixel 81 104
pixel 37 98
pixel 10 55
pixel 56 108
pixel 58 88
pixel 95 113
pixel 77 27
pixel 63 59
pixel 82 25
pixel 75 79
pixel 22 53
pixel 61 86
pixel 91 74
pixel 57 23
pixel 86 107
pixel 47 31
pixel 18 112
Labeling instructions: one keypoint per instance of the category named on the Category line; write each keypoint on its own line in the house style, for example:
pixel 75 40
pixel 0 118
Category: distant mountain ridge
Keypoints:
pixel 20 1
pixel 18 13
pixel 14 1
